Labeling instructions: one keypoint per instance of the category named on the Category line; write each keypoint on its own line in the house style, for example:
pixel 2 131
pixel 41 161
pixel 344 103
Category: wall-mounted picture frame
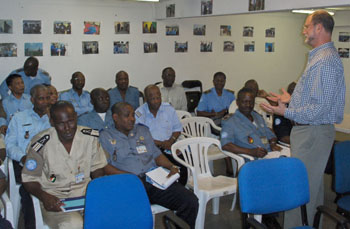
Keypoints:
pixel 31 27
pixel 150 47
pixel 344 36
pixel 229 46
pixel 172 30
pixel 248 31
pixel 181 46
pixel 90 47
pixel 92 27
pixel 8 49
pixel 58 49
pixel 121 47
pixel 62 27
pixel 33 49
pixel 6 26
pixel 170 10
pixel 206 46
pixel 270 32
pixel 255 5
pixel 199 30
pixel 249 46
pixel 149 27
pixel 122 27
pixel 225 30
pixel 269 47
pixel 206 7
pixel 343 52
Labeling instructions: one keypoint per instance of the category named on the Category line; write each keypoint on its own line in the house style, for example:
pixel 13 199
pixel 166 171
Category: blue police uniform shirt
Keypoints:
pixel 238 129
pixel 81 103
pixel 42 77
pixel 135 153
pixel 163 125
pixel 23 127
pixel 131 96
pixel 93 120
pixel 211 101
pixel 12 105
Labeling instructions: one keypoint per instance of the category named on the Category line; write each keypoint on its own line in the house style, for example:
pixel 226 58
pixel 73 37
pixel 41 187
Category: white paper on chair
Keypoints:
pixel 158 178
pixel 285 152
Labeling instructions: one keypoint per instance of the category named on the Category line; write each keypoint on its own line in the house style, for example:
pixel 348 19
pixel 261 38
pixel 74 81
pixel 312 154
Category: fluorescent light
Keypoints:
pixel 309 12
pixel 148 0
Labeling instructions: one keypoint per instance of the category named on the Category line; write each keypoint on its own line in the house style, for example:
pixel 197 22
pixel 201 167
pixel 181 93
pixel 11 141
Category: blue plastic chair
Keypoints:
pixel 276 185
pixel 117 201
pixel 342 176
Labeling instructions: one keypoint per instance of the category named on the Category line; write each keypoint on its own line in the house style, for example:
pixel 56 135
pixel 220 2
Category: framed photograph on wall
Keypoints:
pixel 248 31
pixel 122 27
pixel 58 49
pixel 90 47
pixel 121 47
pixel 229 46
pixel 149 27
pixel 206 7
pixel 170 10
pixel 199 30
pixel 92 27
pixel 33 49
pixel 181 46
pixel 8 49
pixel 6 26
pixel 343 52
pixel 31 27
pixel 225 30
pixel 62 27
pixel 172 30
pixel 270 32
pixel 269 47
pixel 206 46
pixel 149 47
pixel 256 5
pixel 344 37
pixel 249 46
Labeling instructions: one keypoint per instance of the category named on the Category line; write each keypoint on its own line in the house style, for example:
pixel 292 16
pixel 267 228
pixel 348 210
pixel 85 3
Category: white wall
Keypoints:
pixel 271 70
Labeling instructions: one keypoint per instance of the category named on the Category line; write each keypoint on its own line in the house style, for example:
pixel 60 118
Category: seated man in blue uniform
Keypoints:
pixel 215 102
pixel 23 127
pixel 123 92
pixel 131 148
pixel 15 102
pixel 101 116
pixel 245 132
pixel 31 75
pixel 76 95
pixel 163 123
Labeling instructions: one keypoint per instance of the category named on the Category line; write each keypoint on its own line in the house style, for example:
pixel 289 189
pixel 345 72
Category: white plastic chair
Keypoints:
pixel 201 127
pixel 39 222
pixel 200 179
pixel 15 198
pixel 156 209
pixel 7 211
pixel 183 114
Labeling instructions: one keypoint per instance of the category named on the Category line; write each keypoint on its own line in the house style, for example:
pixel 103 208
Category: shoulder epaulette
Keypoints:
pixel 19 70
pixel 64 91
pixel 91 132
pixel 230 91
pixel 207 91
pixel 36 146
pixel 227 116
pixel 138 114
pixel 133 87
pixel 45 73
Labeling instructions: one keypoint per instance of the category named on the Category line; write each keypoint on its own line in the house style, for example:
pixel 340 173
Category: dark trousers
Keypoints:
pixel 177 198
pixel 26 200
pixel 183 169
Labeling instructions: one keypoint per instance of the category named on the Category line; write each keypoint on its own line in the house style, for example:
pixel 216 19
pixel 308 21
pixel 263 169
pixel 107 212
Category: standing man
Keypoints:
pixel 31 76
pixel 23 127
pixel 76 95
pixel 172 93
pixel 316 104
pixel 123 92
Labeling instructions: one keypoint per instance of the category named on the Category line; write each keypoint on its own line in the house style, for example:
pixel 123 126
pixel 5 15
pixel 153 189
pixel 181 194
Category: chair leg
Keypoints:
pixel 211 166
pixel 234 201
pixel 216 205
pixel 200 221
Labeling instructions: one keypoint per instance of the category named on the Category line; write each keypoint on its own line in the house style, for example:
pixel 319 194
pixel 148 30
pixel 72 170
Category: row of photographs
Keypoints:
pixel 120 47
pixel 94 28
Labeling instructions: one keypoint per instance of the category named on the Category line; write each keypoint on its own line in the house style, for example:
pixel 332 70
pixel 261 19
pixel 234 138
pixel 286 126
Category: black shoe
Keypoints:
pixel 271 222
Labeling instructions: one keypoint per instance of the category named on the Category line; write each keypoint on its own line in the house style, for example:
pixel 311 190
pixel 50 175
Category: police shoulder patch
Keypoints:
pixel 36 146
pixel 91 132
pixel 31 164
pixel 230 91
pixel 207 91
pixel 19 70
pixel 138 114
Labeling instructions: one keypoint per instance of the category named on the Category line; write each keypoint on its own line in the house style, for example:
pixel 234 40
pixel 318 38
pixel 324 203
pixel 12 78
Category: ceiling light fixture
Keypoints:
pixel 309 12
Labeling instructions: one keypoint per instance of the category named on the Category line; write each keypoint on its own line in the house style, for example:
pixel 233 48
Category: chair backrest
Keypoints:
pixel 273 185
pixel 341 167
pixel 197 127
pixel 183 114
pixel 190 84
pixel 117 201
pixel 193 90
pixel 195 156
pixel 141 98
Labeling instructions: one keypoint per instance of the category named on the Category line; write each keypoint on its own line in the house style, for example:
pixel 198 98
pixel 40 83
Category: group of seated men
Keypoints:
pixel 59 142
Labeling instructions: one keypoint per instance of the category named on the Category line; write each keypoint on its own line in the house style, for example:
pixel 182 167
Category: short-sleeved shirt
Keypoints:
pixel 174 95
pixel 135 153
pixel 23 127
pixel 81 103
pixel 131 96
pixel 239 130
pixel 163 125
pixel 42 77
pixel 211 101
pixel 60 173
pixel 93 120
pixel 12 105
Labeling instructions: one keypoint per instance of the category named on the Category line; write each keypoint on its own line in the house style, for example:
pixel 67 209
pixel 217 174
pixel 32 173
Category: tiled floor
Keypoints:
pixel 229 219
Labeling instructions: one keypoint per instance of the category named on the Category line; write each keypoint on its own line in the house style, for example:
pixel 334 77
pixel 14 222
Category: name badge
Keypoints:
pixel 79 178
pixel 264 140
pixel 141 149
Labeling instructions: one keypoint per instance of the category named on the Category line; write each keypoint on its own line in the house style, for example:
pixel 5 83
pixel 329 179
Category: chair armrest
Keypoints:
pixel 186 135
pixel 283 144
pixel 213 125
pixel 331 214
pixel 240 160
pixel 7 207
pixel 255 224
pixel 247 156
pixel 39 222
